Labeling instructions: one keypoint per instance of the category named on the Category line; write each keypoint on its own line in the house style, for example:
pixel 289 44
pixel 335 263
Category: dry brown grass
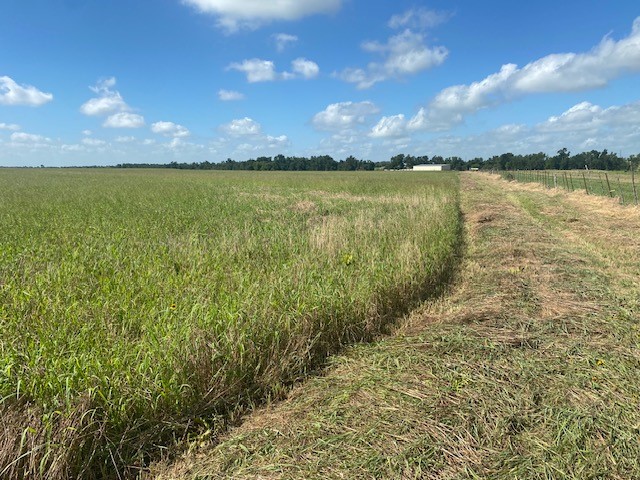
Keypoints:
pixel 305 206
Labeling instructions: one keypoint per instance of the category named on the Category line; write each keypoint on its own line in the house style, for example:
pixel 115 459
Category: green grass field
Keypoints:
pixel 139 306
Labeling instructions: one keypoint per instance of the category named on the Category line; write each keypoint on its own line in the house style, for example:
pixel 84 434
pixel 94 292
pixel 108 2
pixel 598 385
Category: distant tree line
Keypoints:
pixel 279 162
pixel 563 160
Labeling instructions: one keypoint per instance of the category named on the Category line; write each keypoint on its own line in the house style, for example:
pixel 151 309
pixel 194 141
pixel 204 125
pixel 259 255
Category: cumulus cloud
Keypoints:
pixel 107 102
pixel 344 115
pixel 235 14
pixel 9 126
pixel 170 129
pixel 283 40
pixel 586 121
pixel 258 70
pixel 124 120
pixel 562 72
pixel 13 94
pixel 72 148
pixel 242 127
pixel 230 95
pixel 301 67
pixel 125 139
pixel 21 137
pixel 104 105
pixel 419 18
pixel 392 126
pixel 569 72
pixel 584 126
pixel 347 122
pixel 277 142
pixel 263 144
pixel 403 54
pixel 244 136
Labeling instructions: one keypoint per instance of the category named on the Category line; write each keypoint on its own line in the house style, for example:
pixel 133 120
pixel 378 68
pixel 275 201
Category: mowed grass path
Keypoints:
pixel 139 306
pixel 529 369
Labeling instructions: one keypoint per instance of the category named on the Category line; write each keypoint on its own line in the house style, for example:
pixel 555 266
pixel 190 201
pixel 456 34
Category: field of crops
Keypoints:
pixel 139 306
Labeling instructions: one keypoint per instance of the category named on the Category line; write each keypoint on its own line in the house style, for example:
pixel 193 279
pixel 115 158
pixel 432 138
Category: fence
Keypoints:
pixel 611 184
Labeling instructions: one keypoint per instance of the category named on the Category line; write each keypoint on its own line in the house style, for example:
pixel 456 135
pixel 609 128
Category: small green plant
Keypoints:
pixel 347 259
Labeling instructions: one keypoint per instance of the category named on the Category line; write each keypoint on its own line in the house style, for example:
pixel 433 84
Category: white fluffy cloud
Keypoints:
pixel 242 127
pixel 104 105
pixel 235 14
pixel 344 115
pixel 22 137
pixel 396 126
pixel 573 72
pixel 584 126
pixel 393 126
pixel 124 120
pixel 263 145
pixel 9 126
pixel 404 54
pixel 301 67
pixel 594 121
pixel 564 72
pixel 258 70
pixel 283 40
pixel 245 137
pixel 107 102
pixel 277 142
pixel 170 129
pixel 419 18
pixel 230 95
pixel 13 94
pixel 110 103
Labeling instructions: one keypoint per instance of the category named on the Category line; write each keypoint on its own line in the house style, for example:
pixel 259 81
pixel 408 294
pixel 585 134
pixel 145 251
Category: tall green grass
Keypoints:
pixel 136 305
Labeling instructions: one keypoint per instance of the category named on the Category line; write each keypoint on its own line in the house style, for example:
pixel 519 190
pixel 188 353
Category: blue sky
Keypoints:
pixel 88 82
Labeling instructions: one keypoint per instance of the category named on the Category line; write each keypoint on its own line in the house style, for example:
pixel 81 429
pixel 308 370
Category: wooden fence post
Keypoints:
pixel 586 189
pixel 633 182
pixel 621 192
pixel 608 184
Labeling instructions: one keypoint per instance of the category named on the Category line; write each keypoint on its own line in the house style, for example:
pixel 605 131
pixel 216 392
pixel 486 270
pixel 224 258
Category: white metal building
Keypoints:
pixel 431 168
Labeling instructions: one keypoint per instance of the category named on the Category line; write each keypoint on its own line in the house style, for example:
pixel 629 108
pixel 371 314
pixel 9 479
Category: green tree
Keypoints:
pixel 397 162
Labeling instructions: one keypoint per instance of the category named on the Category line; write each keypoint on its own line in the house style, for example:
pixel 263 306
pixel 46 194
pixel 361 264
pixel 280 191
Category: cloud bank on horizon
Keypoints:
pixel 322 88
